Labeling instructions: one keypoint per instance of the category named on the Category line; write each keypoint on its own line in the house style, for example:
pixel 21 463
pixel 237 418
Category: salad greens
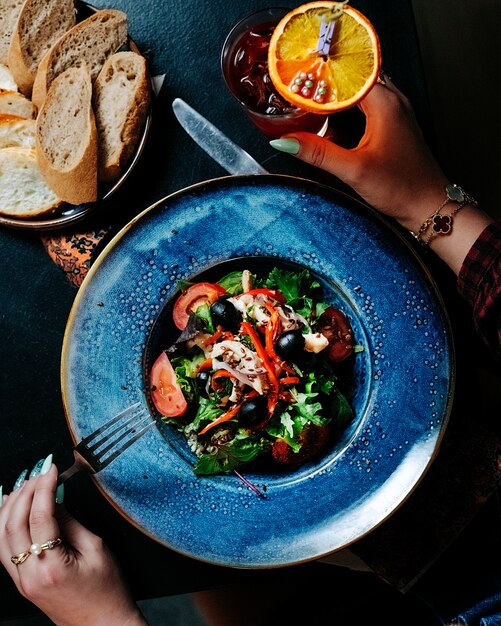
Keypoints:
pixel 257 382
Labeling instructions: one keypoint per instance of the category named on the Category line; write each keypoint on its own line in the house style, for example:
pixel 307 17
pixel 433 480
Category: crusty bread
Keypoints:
pixel 6 116
pixel 40 24
pixel 9 12
pixel 14 103
pixel 7 82
pixel 91 41
pixel 17 133
pixel 66 137
pixel 121 102
pixel 23 191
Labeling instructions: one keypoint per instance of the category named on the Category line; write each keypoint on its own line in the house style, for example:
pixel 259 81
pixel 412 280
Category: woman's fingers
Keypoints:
pixel 42 518
pixel 61 579
pixel 319 152
pixel 381 106
pixel 14 528
pixel 28 518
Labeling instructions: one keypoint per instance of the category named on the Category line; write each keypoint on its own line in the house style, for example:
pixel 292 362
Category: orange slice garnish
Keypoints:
pixel 333 78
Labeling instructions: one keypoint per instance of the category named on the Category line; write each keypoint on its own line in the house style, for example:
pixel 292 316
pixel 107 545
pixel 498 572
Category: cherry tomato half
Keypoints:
pixel 334 325
pixel 192 298
pixel 166 393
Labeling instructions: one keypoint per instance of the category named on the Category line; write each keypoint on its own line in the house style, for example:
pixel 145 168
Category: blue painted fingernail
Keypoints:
pixel 290 146
pixel 60 494
pixel 36 470
pixel 46 465
pixel 20 481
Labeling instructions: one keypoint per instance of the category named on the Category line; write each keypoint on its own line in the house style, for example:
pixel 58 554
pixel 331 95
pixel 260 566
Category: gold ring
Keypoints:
pixel 20 558
pixel 35 548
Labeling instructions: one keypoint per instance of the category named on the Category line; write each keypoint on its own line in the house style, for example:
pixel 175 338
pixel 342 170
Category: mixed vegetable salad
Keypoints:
pixel 252 377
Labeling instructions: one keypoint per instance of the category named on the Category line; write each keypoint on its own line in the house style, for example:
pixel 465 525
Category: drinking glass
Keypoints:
pixel 244 64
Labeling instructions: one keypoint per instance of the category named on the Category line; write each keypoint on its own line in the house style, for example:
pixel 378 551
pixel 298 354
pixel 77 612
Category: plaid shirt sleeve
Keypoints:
pixel 479 283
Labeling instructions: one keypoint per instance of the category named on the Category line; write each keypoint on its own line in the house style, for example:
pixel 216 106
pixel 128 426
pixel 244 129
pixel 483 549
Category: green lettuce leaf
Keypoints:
pixel 298 288
pixel 306 408
pixel 208 411
pixel 186 369
pixel 232 282
pixel 203 312
pixel 240 450
pixel 288 428
pixel 323 382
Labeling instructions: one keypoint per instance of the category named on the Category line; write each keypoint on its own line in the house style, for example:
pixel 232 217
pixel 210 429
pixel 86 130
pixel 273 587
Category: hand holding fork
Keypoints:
pixel 104 445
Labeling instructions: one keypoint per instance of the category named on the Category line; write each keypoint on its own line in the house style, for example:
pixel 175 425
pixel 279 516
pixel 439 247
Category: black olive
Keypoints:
pixel 202 379
pixel 224 314
pixel 290 345
pixel 253 412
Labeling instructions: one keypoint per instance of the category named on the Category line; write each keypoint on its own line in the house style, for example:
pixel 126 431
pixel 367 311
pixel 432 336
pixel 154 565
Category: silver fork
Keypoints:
pixel 101 447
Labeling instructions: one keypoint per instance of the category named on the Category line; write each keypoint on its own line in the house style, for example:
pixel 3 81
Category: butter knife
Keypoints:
pixel 223 150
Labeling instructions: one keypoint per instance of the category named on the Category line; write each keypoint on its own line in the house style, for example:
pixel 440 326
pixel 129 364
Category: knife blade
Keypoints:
pixel 221 148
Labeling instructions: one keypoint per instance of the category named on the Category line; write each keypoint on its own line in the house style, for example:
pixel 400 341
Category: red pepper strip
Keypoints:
pixel 287 368
pixel 272 329
pixel 213 338
pixel 247 329
pixel 289 380
pixel 205 365
pixel 271 293
pixel 219 374
pixel 225 417
pixel 219 334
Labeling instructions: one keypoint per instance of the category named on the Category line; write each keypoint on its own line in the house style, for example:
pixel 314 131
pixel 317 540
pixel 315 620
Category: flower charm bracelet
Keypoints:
pixel 441 223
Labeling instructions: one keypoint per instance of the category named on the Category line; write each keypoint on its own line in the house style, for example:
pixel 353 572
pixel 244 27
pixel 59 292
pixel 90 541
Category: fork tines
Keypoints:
pixel 106 443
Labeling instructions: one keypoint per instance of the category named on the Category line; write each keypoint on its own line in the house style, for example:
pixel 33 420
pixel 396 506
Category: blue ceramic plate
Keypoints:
pixel 402 384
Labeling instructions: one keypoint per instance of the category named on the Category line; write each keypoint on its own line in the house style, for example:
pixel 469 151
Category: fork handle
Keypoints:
pixel 79 464
pixel 68 474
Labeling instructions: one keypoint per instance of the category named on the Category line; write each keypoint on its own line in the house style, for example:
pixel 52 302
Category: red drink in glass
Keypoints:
pixel 244 62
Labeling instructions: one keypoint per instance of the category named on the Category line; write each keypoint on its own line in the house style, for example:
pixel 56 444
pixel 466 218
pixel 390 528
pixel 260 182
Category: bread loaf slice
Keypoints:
pixel 6 117
pixel 7 82
pixel 9 12
pixel 40 24
pixel 14 103
pixel 91 41
pixel 66 137
pixel 121 102
pixel 23 191
pixel 17 133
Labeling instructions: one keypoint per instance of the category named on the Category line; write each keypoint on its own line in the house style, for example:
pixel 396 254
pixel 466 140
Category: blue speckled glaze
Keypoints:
pixel 404 377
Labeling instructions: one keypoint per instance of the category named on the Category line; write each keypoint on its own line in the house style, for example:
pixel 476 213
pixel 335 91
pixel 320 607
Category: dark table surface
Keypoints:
pixel 183 41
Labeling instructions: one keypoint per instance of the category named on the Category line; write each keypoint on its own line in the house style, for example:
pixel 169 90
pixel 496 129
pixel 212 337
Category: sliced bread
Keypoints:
pixel 14 103
pixel 17 133
pixel 121 102
pixel 6 116
pixel 66 137
pixel 7 82
pixel 91 41
pixel 40 24
pixel 23 191
pixel 9 12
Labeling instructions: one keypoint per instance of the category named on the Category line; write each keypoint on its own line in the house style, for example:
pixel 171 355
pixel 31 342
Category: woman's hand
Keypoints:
pixel 393 169
pixel 75 583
